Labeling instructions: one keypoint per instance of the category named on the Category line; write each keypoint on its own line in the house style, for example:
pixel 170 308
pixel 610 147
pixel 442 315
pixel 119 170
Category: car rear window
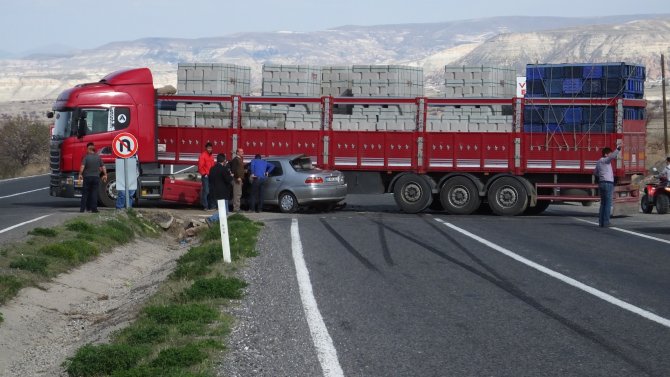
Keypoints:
pixel 302 163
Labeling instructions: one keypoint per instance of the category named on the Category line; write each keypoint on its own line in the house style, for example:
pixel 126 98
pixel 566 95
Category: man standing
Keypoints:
pixel 205 163
pixel 220 181
pixel 89 173
pixel 133 173
pixel 605 177
pixel 237 167
pixel 259 172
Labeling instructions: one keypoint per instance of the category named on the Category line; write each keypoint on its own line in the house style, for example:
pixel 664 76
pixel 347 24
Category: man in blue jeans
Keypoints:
pixel 260 169
pixel 605 177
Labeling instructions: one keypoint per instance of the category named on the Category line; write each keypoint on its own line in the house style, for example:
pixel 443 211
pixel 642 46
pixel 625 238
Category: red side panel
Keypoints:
pixel 268 142
pixel 178 191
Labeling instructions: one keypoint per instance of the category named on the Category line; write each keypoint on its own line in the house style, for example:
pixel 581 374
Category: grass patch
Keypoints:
pixel 147 371
pixel 104 359
pixel 32 264
pixel 180 357
pixel 71 250
pixel 175 314
pixel 9 287
pixel 80 226
pixel 216 287
pixel 44 232
pixel 144 332
pixel 197 261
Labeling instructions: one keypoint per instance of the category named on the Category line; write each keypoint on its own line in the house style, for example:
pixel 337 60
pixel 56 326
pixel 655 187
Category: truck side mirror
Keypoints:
pixel 81 126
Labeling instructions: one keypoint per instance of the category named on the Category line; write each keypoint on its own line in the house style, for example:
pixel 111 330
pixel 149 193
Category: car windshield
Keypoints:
pixel 63 126
pixel 302 163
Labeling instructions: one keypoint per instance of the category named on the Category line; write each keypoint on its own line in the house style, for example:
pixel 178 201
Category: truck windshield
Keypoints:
pixel 62 128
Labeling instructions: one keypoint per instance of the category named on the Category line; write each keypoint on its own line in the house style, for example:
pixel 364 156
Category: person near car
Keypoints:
pixel 205 163
pixel 237 168
pixel 220 183
pixel 260 169
pixel 89 174
pixel 665 174
pixel 605 175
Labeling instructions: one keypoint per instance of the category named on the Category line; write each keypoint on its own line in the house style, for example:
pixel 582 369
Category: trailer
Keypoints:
pixel 514 168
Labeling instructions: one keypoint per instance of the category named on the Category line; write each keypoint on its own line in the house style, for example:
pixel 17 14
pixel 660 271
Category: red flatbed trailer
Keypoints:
pixel 515 172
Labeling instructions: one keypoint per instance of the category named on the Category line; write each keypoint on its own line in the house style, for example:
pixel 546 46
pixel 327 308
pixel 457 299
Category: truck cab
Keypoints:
pixel 94 113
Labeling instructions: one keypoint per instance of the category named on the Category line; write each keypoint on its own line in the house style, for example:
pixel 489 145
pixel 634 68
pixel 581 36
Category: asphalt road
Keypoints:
pixel 437 295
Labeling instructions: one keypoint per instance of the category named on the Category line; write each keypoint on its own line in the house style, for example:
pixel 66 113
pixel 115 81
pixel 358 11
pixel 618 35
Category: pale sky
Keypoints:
pixel 29 25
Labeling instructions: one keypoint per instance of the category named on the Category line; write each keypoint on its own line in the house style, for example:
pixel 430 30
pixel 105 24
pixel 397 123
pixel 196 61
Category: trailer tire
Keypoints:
pixel 107 191
pixel 540 207
pixel 645 206
pixel 412 193
pixel 459 196
pixel 287 202
pixel 507 197
pixel 662 204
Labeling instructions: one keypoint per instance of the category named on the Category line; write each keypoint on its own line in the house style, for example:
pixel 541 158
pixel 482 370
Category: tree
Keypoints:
pixel 22 141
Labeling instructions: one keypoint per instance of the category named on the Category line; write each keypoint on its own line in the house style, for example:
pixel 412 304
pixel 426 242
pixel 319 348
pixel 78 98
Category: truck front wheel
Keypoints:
pixel 459 196
pixel 107 191
pixel 412 193
pixel 507 197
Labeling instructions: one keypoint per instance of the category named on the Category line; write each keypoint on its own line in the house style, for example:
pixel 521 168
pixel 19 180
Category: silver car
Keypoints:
pixel 294 182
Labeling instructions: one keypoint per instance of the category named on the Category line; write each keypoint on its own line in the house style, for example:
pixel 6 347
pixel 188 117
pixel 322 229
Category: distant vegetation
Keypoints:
pixel 23 141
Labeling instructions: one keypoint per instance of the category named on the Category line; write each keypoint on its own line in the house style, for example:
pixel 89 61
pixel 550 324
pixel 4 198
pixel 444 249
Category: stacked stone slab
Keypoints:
pixel 291 80
pixel 213 79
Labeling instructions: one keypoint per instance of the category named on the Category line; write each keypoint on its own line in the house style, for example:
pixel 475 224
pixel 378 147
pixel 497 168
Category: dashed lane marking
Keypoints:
pixel 627 231
pixel 23 193
pixel 23 223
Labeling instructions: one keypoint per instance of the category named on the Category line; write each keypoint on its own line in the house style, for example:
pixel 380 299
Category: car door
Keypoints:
pixel 274 183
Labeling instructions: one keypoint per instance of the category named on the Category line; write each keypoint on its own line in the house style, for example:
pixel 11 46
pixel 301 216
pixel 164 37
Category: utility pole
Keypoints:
pixel 665 108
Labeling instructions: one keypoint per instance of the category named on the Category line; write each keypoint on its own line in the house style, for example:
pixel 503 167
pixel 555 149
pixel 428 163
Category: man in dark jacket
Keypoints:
pixel 220 183
pixel 237 167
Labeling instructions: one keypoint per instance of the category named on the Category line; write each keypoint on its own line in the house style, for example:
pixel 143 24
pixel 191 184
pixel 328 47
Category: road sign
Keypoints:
pixel 124 145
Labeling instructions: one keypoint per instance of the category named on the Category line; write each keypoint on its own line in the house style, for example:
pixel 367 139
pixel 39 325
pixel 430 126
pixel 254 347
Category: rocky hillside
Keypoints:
pixel 493 41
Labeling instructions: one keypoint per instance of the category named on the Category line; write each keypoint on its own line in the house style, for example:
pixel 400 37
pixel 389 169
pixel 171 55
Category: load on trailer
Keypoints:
pixel 373 123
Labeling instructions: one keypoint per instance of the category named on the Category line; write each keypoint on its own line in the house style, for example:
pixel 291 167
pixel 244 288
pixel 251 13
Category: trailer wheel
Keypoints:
pixel 662 203
pixel 540 207
pixel 107 191
pixel 645 205
pixel 507 197
pixel 459 196
pixel 412 193
pixel 287 202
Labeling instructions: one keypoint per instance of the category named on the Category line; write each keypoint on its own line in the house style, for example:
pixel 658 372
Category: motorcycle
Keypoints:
pixel 656 195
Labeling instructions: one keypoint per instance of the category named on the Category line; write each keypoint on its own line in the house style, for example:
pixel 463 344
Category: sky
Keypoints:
pixel 30 26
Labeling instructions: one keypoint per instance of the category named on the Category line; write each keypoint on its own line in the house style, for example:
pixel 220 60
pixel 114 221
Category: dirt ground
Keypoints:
pixel 45 325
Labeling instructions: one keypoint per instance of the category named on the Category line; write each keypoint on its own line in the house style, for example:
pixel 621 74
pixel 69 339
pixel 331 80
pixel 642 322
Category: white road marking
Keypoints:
pixel 22 193
pixel 29 176
pixel 627 231
pixel 23 223
pixel 323 343
pixel 568 280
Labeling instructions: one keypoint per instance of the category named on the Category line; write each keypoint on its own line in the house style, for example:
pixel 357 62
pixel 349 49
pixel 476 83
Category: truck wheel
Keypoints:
pixel 287 202
pixel 459 196
pixel 645 205
pixel 662 203
pixel 540 207
pixel 412 193
pixel 107 191
pixel 507 197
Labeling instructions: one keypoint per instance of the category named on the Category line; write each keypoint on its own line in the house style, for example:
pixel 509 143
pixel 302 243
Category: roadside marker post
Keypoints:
pixel 223 226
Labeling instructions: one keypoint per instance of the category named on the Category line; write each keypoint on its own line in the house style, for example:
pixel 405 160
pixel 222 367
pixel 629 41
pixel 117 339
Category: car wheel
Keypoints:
pixel 107 191
pixel 459 196
pixel 645 205
pixel 662 204
pixel 507 197
pixel 287 202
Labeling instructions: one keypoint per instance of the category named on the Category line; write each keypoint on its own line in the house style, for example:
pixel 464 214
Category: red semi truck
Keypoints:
pixel 513 171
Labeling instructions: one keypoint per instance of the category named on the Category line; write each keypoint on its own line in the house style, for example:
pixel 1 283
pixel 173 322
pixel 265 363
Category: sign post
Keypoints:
pixel 125 146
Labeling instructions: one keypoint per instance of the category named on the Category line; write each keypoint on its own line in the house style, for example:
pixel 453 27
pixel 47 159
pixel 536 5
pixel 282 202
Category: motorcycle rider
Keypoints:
pixel 665 174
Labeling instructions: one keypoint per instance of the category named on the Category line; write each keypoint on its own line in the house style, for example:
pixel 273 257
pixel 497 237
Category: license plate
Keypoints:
pixel 331 179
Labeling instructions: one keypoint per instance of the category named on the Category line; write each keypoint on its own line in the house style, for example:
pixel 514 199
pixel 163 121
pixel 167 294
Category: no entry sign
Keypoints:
pixel 124 145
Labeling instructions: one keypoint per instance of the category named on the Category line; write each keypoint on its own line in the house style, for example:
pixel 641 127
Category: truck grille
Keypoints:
pixel 54 162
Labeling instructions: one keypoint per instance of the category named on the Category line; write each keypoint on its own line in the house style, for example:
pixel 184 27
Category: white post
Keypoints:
pixel 125 181
pixel 223 225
